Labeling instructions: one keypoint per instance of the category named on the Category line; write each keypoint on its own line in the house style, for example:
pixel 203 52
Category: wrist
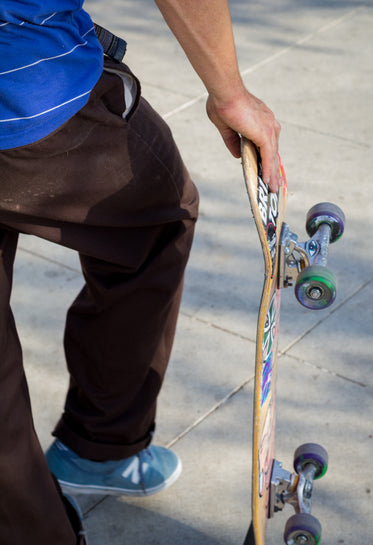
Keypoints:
pixel 230 99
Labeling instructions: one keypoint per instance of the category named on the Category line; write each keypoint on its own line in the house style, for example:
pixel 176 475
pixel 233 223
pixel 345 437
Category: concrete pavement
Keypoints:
pixel 311 62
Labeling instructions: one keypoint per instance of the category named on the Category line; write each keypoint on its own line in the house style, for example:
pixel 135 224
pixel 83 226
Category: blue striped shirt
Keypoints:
pixel 50 59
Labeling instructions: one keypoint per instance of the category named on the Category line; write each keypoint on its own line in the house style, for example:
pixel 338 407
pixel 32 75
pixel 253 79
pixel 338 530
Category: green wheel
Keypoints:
pixel 315 287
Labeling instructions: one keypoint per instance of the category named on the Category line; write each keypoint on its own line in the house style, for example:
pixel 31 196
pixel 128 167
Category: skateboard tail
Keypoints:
pixel 264 410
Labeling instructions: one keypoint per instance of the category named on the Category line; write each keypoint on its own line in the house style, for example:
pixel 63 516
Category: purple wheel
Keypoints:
pixel 302 529
pixel 329 213
pixel 311 453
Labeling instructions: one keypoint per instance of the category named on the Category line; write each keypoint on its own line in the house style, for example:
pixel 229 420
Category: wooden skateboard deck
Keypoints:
pixel 287 262
pixel 269 211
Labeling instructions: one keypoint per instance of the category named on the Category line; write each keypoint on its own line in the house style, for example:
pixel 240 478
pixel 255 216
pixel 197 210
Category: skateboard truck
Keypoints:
pixel 304 263
pixel 310 463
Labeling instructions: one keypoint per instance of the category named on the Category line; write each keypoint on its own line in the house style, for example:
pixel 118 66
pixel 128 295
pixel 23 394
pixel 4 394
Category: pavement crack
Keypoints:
pixel 324 318
pixel 49 260
pixel 96 504
pixel 327 371
pixel 327 134
pixel 216 326
pixel 271 58
pixel 213 409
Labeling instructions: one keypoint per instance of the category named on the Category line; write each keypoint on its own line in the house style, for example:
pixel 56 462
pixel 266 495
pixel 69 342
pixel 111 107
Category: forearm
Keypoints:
pixel 204 30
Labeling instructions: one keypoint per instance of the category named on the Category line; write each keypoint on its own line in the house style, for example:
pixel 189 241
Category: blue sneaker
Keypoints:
pixel 146 473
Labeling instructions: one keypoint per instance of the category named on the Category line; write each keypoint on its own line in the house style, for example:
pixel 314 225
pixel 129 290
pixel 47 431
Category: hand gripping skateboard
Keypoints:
pixel 287 262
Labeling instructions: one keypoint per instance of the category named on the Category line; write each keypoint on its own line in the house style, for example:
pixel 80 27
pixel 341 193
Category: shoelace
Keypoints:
pixel 141 454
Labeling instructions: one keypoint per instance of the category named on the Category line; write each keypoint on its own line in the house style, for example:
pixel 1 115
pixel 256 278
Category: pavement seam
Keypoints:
pixel 271 58
pixel 187 430
pixel 327 134
pixel 226 398
pixel 323 319
pixel 280 354
pixel 216 326
pixel 95 504
pixel 49 260
pixel 303 40
pixel 301 361
pixel 213 409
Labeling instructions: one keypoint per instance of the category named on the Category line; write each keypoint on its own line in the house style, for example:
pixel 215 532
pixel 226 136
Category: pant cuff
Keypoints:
pixel 98 451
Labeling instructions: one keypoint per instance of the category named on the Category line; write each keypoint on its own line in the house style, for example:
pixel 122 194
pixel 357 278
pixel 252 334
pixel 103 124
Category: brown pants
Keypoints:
pixel 117 192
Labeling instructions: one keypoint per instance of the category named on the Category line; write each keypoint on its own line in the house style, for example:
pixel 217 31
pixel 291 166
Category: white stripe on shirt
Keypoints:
pixel 48 58
pixel 46 111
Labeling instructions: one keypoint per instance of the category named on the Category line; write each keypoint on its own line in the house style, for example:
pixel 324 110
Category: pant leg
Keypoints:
pixel 117 192
pixel 31 510
pixel 120 330
pixel 118 339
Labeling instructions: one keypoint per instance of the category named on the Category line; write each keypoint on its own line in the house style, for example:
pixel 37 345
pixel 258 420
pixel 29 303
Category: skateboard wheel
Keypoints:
pixel 329 213
pixel 302 529
pixel 311 453
pixel 315 287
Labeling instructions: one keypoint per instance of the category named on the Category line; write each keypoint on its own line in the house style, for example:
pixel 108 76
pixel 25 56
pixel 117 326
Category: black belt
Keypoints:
pixel 113 46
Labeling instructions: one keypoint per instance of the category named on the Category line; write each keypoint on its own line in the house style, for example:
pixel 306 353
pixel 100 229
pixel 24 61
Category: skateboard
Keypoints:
pixel 287 262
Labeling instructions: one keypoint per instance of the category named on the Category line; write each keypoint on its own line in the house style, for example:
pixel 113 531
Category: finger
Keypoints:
pixel 268 167
pixel 270 170
pixel 270 160
pixel 275 179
